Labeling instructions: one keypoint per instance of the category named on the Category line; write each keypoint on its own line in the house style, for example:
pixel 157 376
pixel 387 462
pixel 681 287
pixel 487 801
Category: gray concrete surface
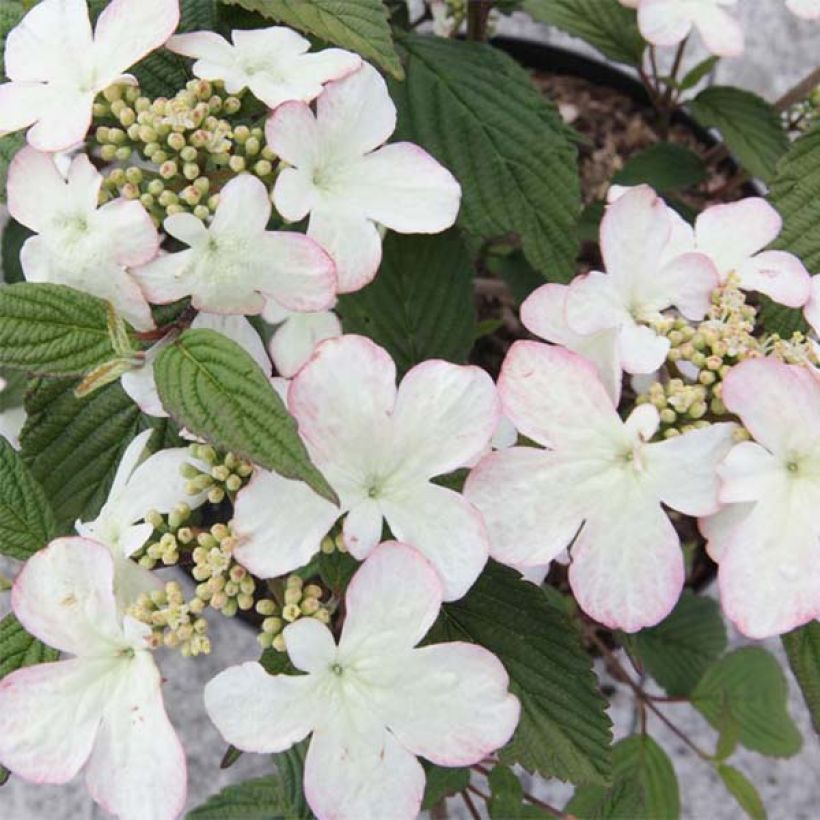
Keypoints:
pixel 781 50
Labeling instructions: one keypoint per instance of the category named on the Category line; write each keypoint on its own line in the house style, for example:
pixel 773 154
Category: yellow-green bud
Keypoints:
pixel 278 643
pixel 127 117
pixel 265 640
pixel 230 608
pixel 322 615
pixel 265 606
pixel 113 93
pixel 313 591
pixel 310 606
pixel 190 170
pixel 244 601
pixel 263 168
pixel 233 483
pixel 252 146
pixel 168 170
pixel 202 212
pixel 291 612
pixel 108 152
pixel 327 546
pixel 293 595
pixel 237 164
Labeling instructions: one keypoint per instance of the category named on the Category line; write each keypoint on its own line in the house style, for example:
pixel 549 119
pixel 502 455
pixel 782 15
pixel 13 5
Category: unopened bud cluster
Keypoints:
pixel 227 473
pixel 224 585
pixel 333 543
pixel 182 149
pixel 171 535
pixel 300 601
pixel 803 115
pixel 175 623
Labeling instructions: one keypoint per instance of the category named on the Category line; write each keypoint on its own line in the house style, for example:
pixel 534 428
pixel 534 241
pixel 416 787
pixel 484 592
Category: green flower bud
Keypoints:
pixel 252 146
pixel 668 416
pixel 263 168
pixel 176 142
pixel 230 608
pixel 237 164
pixel 265 606
pixel 190 170
pixel 130 191
pixel 100 110
pixel 174 209
pixel 231 105
pixel 127 117
pixel 268 153
pixel 231 589
pixel 241 133
pixel 322 615
pixel 202 184
pixel 156 187
pixel 113 93
pixel 213 202
pixel 244 601
pixel 123 153
pixel 101 134
pixel 265 640
pixel 190 196
pixel 220 532
pixel 108 152
pixel 202 212
pixel 168 169
pixel 233 482
pixel 291 612
pixel 327 546
pixel 310 606
pixel 272 625
pixel 278 643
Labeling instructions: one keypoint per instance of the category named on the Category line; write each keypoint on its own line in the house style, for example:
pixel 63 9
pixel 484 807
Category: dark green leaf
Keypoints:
pixel 521 278
pixel 18 648
pixel 161 74
pixel 73 446
pixel 608 26
pixel 564 731
pixel 644 786
pixel 743 791
pixel 420 306
pixel 748 124
pixel 359 25
pixel 695 75
pixel 336 569
pixel 13 394
pixel 803 650
pixel 290 766
pixel 750 685
pixel 506 796
pixel 681 648
pixel 52 329
pixel 665 166
pixel 26 521
pixel 442 782
pixel 14 237
pixel 197 15
pixel 209 384
pixel 9 146
pixel 11 13
pixel 477 112
pixel 264 798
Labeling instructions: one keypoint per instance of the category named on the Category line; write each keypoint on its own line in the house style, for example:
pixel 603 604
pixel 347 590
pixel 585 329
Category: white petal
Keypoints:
pixel 203 45
pixel 310 645
pixel 132 456
pixel 362 529
pixel 140 384
pixel 444 417
pixel 293 133
pixel 392 602
pixel 127 30
pixel 779 275
pixel 186 228
pixel 279 523
pixel 239 330
pixel 663 22
pixel 64 596
pixel 64 122
pixel 21 105
pixel 686 282
pixel 451 704
pixel 137 768
pixel 37 192
pixel 683 470
pixel 807 9
pixel 258 712
pixel 812 308
pixel 49 716
pixel 293 343
pixel 642 349
pixel 134 239
pixel 721 33
pixel 163 279
pixel 294 193
pixel 749 473
pixel 595 303
pixel 244 208
pixel 718 529
pixel 443 526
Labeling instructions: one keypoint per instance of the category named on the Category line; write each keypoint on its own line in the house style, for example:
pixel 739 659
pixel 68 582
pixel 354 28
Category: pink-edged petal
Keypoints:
pixel 769 573
pixel 113 284
pixel 310 645
pixel 687 283
pixel 138 759
pixel 126 31
pixel 342 399
pixel 202 45
pixel 294 194
pixel 812 309
pixel 21 105
pixel 594 303
pixel 452 704
pixel 353 243
pixel 187 228
pixel 663 22
pixel 392 602
pixel 543 314
pixel 362 529
pixel 807 9
pixel 627 567
pixel 320 67
pixel 749 473
pixel 292 344
pixel 733 232
pixel 718 529
pixel 293 133
pixel 64 122
pixel 134 239
pixel 446 528
pixel 64 596
pixel 356 114
pixel 641 349
pixel 49 716
pixel 403 187
pixel 356 770
pixel 551 394
pixel 162 280
pixel 444 418
pixel 298 273
pixel 258 712
pixel 239 330
pixel 755 391
pixel 36 189
pixel 532 502
pixel 778 274
pixel 279 524
pixel 722 34
pixel 683 470
pixel 244 208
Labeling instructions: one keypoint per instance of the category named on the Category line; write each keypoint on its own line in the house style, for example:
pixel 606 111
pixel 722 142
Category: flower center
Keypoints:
pixel 337 669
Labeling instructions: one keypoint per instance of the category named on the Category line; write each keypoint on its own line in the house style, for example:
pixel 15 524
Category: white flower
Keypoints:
pixel 807 9
pixel 379 448
pixel 297 335
pixel 669 22
pixel 272 62
pixel 235 262
pixel 648 252
pixel 79 244
pixel 140 383
pixel 57 67
pixel 138 488
pixel 102 709
pixel 812 308
pixel 599 486
pixel 767 541
pixel 374 702
pixel 347 183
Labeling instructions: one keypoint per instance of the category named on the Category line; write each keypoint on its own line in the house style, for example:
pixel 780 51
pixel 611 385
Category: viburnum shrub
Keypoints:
pixel 245 376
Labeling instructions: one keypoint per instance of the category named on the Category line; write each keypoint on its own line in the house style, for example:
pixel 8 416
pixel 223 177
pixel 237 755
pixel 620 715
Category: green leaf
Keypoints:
pixel 161 74
pixel 476 111
pixel 197 15
pixel 210 385
pixel 506 796
pixel 564 731
pixel 420 306
pixel 644 785
pixel 73 446
pixel 26 520
pixel 743 791
pixel 14 237
pixel 442 782
pixel 748 124
pixel 11 13
pixel 264 798
pixel 359 25
pixel 9 146
pixel 19 649
pixel 665 166
pixel 336 569
pixel 290 766
pixel 696 74
pixel 749 684
pixel 681 648
pixel 52 330
pixel 803 650
pixel 608 26
pixel 13 394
